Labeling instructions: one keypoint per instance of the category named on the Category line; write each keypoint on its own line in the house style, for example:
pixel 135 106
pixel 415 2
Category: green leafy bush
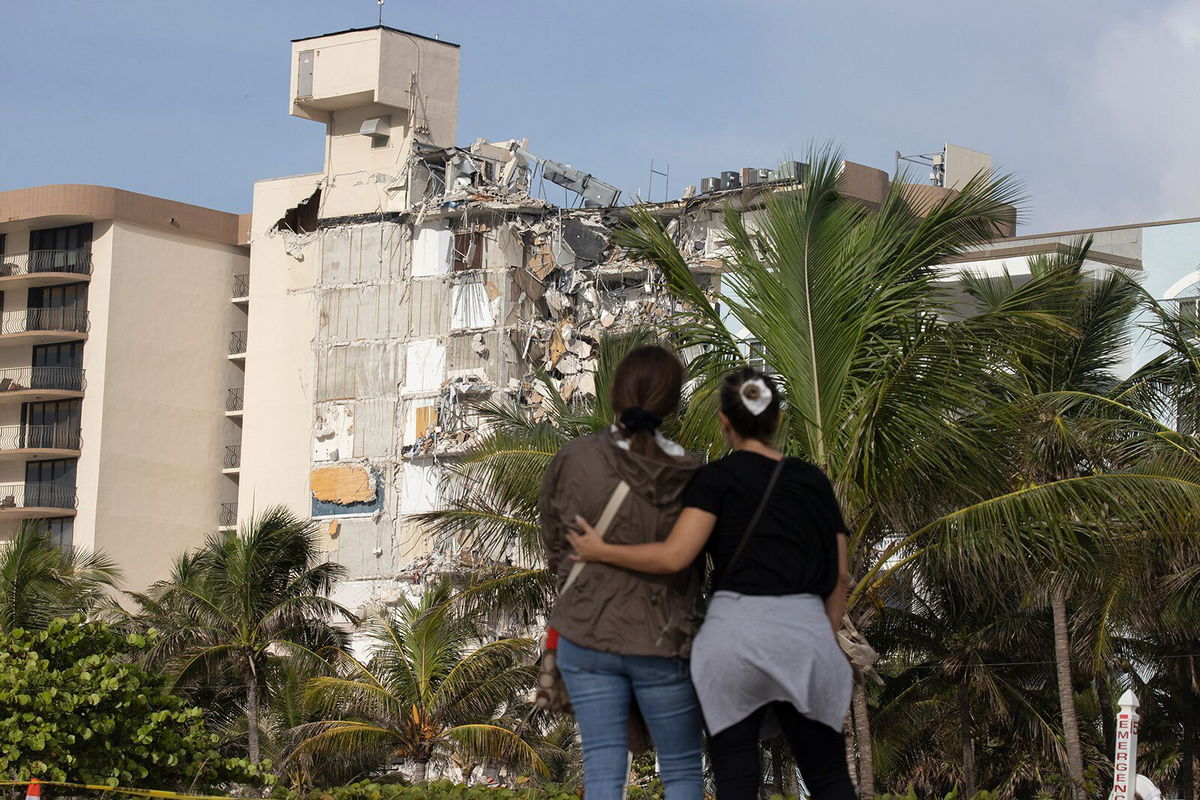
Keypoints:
pixel 75 707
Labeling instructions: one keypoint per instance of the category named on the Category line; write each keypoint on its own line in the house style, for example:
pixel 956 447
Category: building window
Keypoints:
pixel 69 354
pixel 71 295
pixel 61 249
pixel 468 250
pixel 71 237
pixel 50 484
pixel 62 532
pixel 54 424
pixel 1188 308
pixel 757 356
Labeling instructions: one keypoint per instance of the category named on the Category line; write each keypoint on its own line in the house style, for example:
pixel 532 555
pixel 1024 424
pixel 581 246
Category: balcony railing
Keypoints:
pixel 237 343
pixel 20 379
pixel 36 495
pixel 38 437
pixel 233 456
pixel 45 319
pixel 236 399
pixel 76 262
pixel 228 516
pixel 241 285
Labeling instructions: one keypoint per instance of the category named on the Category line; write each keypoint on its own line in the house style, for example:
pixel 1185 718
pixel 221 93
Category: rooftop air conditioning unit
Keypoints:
pixel 709 185
pixel 730 180
pixel 793 171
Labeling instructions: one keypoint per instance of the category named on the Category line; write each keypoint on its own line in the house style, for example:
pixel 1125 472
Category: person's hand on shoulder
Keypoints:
pixel 589 545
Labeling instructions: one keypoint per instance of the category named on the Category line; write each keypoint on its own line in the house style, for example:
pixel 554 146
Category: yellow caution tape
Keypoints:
pixel 120 790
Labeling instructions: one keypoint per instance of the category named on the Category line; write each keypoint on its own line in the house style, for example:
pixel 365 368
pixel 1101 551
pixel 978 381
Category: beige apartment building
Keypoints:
pixel 113 377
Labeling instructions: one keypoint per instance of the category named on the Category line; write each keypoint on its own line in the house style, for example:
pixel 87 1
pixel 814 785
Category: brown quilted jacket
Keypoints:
pixel 610 608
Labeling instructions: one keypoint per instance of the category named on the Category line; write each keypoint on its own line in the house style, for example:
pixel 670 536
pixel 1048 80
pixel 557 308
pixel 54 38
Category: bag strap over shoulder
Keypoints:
pixel 606 518
pixel 758 512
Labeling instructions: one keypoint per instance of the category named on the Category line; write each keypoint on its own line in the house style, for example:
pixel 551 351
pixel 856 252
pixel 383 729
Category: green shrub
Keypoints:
pixel 74 707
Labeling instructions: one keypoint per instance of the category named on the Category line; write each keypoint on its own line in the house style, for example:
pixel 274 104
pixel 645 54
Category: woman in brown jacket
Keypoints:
pixel 625 636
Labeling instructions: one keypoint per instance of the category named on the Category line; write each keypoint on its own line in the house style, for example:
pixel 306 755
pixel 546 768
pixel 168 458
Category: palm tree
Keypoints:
pixel 1054 434
pixel 495 512
pixel 955 643
pixel 40 581
pixel 431 688
pixel 884 385
pixel 242 601
pixel 1160 644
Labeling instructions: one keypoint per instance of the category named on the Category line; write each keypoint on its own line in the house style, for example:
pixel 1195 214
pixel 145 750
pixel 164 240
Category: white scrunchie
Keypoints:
pixel 759 404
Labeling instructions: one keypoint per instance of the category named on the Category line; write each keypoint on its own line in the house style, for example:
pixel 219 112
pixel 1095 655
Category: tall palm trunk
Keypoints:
pixel 1066 693
pixel 252 716
pixel 862 732
pixel 851 757
pixel 968 739
pixel 1108 717
pixel 1187 752
pixel 420 770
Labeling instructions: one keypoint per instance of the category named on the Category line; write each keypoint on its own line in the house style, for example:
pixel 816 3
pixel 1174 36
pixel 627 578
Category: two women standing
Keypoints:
pixel 766 655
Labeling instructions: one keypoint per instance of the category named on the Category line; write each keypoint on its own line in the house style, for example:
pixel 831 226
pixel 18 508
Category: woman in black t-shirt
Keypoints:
pixel 767 651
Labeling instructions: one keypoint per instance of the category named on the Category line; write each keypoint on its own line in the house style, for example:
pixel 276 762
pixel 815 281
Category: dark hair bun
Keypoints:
pixel 742 387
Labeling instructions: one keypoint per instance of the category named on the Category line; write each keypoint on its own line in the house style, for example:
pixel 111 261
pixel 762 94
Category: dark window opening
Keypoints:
pixel 468 250
pixel 57 366
pixel 71 237
pixel 66 249
pixel 68 354
pixel 72 296
pixel 61 308
pixel 54 424
pixel 50 484
pixel 62 532
pixel 436 185
pixel 58 471
pixel 302 218
pixel 757 357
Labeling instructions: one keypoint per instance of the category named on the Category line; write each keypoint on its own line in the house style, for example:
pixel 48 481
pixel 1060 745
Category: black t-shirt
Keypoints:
pixel 793 550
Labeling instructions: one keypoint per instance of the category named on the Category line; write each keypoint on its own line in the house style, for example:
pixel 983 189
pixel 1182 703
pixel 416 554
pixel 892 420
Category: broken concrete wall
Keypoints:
pixel 462 298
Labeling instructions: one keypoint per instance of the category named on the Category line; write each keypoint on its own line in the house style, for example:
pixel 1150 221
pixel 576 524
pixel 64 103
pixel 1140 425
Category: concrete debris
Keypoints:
pixel 582 349
pixel 587 239
pixel 466 290
pixel 569 364
pixel 481 348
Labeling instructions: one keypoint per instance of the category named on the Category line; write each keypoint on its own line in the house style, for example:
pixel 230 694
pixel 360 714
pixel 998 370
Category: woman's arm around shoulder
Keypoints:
pixel 674 554
pixel 835 602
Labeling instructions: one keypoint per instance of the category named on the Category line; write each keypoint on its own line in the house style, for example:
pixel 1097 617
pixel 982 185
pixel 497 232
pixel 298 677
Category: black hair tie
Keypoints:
pixel 636 419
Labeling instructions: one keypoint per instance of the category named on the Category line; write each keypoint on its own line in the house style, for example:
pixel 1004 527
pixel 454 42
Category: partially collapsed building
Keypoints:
pixel 412 278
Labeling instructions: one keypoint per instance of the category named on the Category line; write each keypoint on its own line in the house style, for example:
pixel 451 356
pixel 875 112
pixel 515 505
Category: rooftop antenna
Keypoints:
pixel 935 161
pixel 380 4
pixel 667 177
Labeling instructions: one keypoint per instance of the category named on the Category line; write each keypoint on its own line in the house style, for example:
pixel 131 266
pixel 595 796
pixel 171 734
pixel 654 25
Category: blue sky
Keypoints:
pixel 1089 101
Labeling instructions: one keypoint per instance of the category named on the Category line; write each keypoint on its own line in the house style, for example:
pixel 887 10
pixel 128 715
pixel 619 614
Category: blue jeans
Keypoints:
pixel 602 686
